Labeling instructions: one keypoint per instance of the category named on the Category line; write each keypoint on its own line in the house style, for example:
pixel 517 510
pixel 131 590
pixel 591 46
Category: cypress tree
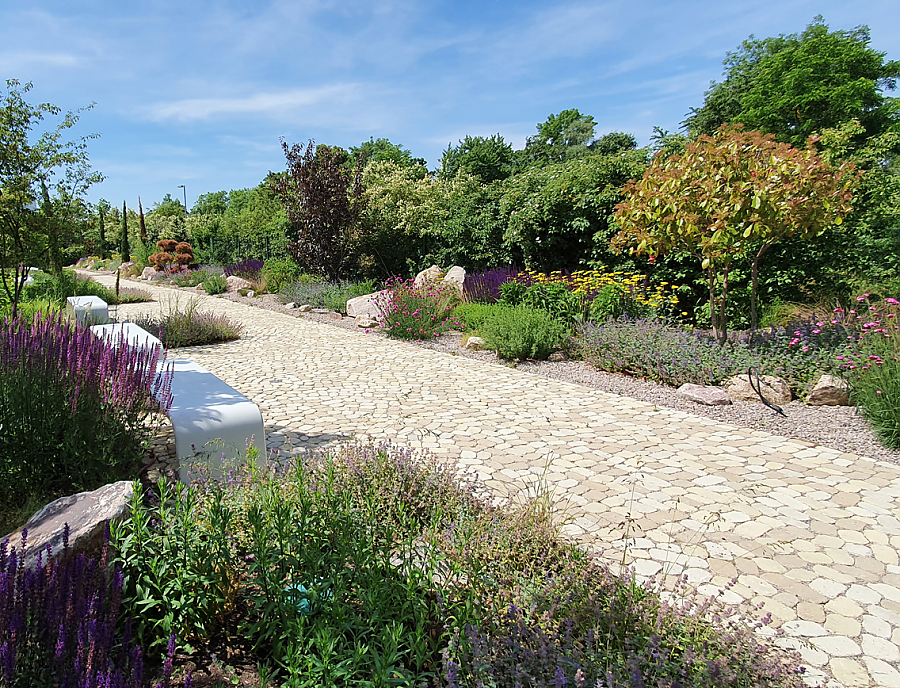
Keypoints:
pixel 141 222
pixel 101 207
pixel 124 248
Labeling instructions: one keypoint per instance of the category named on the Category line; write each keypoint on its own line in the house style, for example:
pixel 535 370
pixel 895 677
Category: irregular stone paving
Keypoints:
pixel 808 533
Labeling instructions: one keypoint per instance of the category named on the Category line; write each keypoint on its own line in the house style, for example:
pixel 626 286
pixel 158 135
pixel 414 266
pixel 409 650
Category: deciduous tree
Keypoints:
pixel 736 193
pixel 794 85
pixel 42 181
pixel 321 198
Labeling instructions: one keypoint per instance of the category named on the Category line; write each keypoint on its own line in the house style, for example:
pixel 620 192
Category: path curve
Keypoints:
pixel 809 533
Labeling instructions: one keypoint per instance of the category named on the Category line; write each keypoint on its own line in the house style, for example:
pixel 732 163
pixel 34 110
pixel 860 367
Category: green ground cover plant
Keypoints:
pixel 187 325
pixel 321 293
pixel 377 565
pixel 215 284
pixel 473 315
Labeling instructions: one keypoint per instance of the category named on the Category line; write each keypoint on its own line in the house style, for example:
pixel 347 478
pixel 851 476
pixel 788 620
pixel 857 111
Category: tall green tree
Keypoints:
pixel 43 178
pixel 488 159
pixel 561 137
pixel 792 86
pixel 102 209
pixel 382 150
pixel 733 194
pixel 124 247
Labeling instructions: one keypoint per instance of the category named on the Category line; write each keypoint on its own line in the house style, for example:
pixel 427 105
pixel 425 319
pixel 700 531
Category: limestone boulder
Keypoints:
pixel 236 283
pixel 290 305
pixel 475 344
pixel 85 512
pixel 148 273
pixel 455 276
pixel 775 389
pixel 366 321
pixel 429 275
pixel 703 394
pixel 368 305
pixel 304 308
pixel 830 391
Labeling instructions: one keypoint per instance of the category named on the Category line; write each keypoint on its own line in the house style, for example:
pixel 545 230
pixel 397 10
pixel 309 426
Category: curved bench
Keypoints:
pixel 213 422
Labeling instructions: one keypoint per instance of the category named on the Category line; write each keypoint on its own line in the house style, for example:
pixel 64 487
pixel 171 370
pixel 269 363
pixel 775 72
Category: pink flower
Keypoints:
pixel 891 300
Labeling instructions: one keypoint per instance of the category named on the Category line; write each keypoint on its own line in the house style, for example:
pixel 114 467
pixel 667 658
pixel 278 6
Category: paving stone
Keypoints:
pixel 849 672
pixel 881 648
pixel 883 674
pixel 837 645
pixel 842 625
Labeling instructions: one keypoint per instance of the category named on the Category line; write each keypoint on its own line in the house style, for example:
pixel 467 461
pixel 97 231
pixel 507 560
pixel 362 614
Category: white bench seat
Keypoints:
pixel 129 333
pixel 213 422
pixel 87 309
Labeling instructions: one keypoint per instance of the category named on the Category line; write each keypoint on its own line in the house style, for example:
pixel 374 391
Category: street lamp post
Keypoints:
pixel 181 186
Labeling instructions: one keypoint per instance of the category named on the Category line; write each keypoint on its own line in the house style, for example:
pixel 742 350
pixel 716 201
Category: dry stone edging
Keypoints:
pixel 774 389
pixel 703 394
pixel 830 390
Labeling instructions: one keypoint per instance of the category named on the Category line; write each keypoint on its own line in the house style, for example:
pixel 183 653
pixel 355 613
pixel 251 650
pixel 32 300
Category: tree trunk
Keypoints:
pixel 713 316
pixel 723 316
pixel 754 291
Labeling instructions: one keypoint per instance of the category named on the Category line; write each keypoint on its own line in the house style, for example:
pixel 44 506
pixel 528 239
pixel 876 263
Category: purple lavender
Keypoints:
pixel 249 269
pixel 72 407
pixel 484 286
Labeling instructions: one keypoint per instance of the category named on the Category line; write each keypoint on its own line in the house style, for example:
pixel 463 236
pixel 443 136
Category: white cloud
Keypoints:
pixel 276 105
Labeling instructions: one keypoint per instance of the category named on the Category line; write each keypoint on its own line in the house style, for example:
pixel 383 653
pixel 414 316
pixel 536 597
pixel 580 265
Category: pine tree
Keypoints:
pixel 124 248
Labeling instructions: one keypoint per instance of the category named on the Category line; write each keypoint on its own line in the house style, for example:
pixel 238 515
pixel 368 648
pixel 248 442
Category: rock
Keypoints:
pixel 368 305
pixel 290 305
pixel 305 308
pixel 251 294
pixel 365 321
pixel 432 274
pixel 774 389
pixel 148 273
pixel 830 391
pixel 474 343
pixel 235 283
pixel 85 512
pixel 334 316
pixel 701 394
pixel 322 311
pixel 457 277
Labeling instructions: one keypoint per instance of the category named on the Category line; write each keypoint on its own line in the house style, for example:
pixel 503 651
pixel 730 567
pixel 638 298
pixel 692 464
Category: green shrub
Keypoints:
pixel 215 284
pixel 191 278
pixel 339 293
pixel 523 333
pixel 554 298
pixel 278 273
pixel 472 315
pixel 375 564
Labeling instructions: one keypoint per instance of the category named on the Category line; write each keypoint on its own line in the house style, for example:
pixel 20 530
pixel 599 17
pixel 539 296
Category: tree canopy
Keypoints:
pixel 43 178
pixel 735 193
pixel 488 159
pixel 794 85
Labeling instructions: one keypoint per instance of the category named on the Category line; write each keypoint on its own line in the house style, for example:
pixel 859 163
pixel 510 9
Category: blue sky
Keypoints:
pixel 198 93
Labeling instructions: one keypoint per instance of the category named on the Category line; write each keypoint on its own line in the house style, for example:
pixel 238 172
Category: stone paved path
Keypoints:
pixel 809 533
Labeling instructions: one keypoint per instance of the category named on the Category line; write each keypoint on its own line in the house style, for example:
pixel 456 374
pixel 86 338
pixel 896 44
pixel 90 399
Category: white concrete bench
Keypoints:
pixel 29 275
pixel 213 423
pixel 129 333
pixel 87 309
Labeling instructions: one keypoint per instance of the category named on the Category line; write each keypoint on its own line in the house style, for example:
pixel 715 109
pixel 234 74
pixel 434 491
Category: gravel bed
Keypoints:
pixel 838 427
